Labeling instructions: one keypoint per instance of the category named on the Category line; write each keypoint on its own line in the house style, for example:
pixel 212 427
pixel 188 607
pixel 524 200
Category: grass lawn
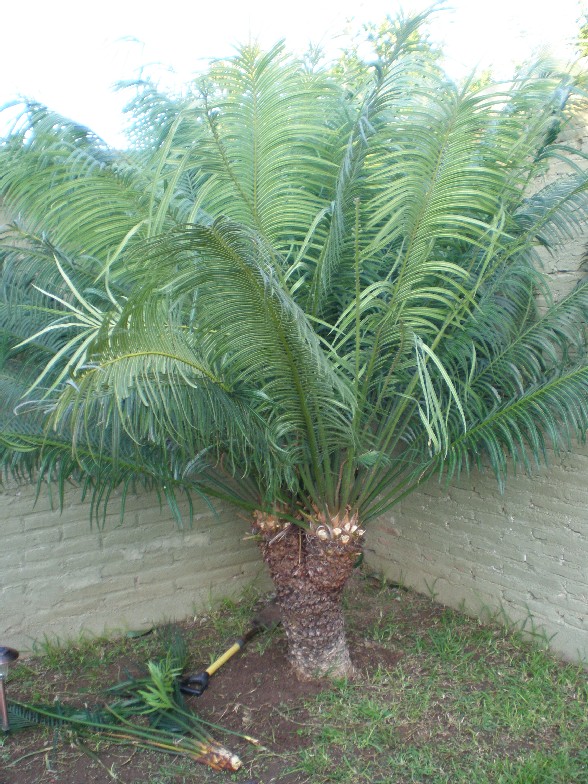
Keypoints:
pixel 439 699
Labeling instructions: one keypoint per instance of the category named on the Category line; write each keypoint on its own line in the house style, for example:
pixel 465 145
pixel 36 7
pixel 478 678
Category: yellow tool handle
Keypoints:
pixel 224 658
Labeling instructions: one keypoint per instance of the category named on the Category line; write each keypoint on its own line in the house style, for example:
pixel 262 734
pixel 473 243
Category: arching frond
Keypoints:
pixel 296 289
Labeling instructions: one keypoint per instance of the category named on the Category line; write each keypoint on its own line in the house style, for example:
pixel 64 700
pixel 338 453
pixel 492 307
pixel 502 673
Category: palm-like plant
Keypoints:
pixel 298 297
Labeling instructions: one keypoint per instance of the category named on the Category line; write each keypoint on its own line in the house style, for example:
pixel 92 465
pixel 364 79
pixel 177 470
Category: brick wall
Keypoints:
pixel 523 554
pixel 59 577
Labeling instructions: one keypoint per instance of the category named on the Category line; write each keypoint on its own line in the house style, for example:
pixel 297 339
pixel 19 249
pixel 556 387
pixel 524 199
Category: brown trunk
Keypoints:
pixel 309 574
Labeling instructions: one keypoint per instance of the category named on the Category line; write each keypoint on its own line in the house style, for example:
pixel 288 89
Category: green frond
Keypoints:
pixel 301 287
pixel 521 430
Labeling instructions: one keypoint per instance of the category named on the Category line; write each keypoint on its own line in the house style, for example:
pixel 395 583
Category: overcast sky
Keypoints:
pixel 69 54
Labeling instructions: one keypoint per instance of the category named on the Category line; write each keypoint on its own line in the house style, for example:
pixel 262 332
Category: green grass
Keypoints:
pixel 445 726
pixel 466 704
pixel 444 699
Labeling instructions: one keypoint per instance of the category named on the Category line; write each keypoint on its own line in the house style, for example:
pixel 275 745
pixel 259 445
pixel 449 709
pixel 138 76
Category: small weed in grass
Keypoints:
pixel 556 767
pixel 383 628
pixel 413 763
pixel 232 617
pixel 87 653
pixel 446 643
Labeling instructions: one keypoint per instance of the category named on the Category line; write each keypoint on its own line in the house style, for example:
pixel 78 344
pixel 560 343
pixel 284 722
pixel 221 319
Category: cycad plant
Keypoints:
pixel 298 292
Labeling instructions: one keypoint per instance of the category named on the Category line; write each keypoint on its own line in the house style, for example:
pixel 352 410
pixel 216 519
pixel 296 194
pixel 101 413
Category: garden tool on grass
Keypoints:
pixel 266 620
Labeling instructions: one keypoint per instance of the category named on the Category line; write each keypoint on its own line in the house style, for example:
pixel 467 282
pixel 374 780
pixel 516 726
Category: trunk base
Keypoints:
pixel 333 662
pixel 310 574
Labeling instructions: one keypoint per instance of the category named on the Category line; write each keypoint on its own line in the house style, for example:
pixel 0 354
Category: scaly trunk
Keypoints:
pixel 309 569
